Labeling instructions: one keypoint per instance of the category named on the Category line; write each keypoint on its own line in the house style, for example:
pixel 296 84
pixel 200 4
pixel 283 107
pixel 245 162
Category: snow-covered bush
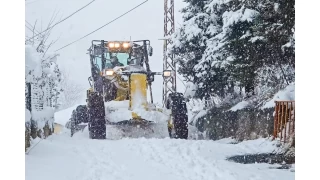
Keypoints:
pixel 42 79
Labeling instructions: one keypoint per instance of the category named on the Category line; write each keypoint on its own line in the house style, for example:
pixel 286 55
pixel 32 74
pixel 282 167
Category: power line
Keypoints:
pixel 27 3
pixel 102 26
pixel 62 20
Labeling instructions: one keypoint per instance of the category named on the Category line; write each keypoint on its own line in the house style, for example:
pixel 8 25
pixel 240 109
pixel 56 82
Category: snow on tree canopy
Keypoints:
pixel 33 62
pixel 232 17
pixel 190 90
pixel 44 116
pixel 43 75
pixel 224 45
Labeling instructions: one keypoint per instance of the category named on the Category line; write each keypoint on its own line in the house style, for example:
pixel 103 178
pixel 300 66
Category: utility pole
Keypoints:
pixel 169 84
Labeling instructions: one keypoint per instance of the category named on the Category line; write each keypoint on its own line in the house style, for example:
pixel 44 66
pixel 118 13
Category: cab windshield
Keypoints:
pixel 122 57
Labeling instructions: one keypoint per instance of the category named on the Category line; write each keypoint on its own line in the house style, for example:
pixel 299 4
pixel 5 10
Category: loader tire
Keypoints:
pixel 79 115
pixel 82 114
pixel 73 123
pixel 96 112
pixel 179 115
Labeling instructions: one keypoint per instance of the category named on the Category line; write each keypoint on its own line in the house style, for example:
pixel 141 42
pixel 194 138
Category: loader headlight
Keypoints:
pixel 109 72
pixel 167 73
pixel 116 45
pixel 125 45
pixel 111 45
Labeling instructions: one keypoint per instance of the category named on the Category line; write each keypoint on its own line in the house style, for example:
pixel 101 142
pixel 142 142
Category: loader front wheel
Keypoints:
pixel 181 127
pixel 179 115
pixel 97 123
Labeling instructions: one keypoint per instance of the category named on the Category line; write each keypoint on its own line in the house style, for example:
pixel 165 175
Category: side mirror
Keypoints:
pixel 150 51
pixel 90 81
pixel 151 78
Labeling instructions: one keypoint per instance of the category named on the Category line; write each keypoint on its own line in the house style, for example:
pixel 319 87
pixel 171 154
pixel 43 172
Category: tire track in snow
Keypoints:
pixel 135 159
pixel 99 164
pixel 185 162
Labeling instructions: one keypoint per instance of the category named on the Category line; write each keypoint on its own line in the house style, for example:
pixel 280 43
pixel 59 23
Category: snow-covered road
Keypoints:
pixel 61 157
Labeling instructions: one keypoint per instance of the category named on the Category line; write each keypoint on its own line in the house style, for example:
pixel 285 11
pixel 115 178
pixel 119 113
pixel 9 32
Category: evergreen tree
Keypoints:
pixel 228 44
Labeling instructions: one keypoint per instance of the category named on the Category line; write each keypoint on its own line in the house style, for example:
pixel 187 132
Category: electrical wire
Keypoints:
pixel 101 26
pixel 62 20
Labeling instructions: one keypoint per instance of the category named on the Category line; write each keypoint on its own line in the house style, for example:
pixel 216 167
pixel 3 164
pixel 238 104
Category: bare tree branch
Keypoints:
pixel 72 90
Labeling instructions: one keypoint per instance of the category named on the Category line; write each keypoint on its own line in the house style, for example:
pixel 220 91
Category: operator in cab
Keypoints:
pixel 115 62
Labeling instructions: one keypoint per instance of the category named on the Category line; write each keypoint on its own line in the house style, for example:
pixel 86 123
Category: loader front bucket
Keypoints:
pixel 135 129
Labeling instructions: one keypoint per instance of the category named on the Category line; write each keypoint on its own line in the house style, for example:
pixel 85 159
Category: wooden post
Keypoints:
pixel 285 122
pixel 275 122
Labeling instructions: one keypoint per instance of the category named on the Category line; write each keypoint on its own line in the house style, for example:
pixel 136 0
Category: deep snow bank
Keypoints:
pixel 63 116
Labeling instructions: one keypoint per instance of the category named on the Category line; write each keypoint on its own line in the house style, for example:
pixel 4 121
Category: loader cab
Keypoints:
pixel 128 53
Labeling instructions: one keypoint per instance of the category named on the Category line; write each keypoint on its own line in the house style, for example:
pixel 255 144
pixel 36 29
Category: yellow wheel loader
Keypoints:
pixel 120 79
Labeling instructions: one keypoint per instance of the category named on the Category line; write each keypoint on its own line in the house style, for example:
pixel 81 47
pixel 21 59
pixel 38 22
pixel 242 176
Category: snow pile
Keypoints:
pixel 227 141
pixel 44 116
pixel 63 116
pixel 117 111
pixel 155 116
pixel 287 94
pixel 114 105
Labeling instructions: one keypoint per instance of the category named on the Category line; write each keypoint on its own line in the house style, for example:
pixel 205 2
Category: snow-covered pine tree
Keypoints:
pixel 238 45
pixel 197 45
pixel 241 44
pixel 233 44
pixel 276 27
pixel 189 40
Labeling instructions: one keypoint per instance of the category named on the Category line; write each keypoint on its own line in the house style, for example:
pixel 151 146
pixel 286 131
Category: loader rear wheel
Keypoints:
pixel 97 123
pixel 82 114
pixel 79 115
pixel 179 113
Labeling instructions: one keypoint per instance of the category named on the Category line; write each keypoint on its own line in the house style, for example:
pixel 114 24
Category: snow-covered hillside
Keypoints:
pixel 135 159
pixel 146 22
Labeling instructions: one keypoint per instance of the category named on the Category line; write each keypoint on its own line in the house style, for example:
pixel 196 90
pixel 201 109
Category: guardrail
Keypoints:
pixel 284 120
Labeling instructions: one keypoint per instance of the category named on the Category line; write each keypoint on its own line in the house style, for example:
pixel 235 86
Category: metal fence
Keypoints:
pixel 284 120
